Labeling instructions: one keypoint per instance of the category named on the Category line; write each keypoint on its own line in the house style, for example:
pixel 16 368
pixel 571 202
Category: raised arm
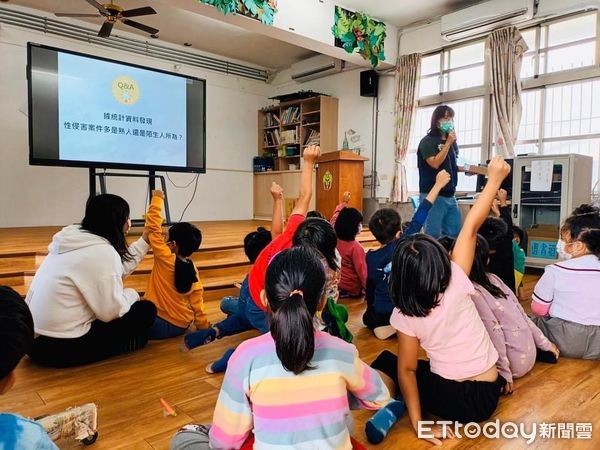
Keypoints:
pixel 464 250
pixel 310 156
pixel 277 219
pixel 153 224
pixel 441 179
pixel 338 208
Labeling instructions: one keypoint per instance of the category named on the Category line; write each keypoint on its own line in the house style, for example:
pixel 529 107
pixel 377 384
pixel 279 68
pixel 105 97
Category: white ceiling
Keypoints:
pixel 405 12
pixel 179 26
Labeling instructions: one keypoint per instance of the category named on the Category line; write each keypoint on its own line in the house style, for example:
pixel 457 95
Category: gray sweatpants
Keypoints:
pixel 191 437
pixel 574 340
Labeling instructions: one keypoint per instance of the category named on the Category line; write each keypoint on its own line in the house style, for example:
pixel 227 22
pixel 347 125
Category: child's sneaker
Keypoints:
pixel 198 338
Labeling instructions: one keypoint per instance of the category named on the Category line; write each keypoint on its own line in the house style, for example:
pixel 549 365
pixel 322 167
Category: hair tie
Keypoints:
pixel 296 291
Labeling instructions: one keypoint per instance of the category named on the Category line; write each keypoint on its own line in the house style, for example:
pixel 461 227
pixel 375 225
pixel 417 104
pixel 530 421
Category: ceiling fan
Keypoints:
pixel 113 13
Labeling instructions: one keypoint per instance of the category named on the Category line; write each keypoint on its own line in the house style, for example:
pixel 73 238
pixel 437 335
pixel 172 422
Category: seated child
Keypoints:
pixel 292 387
pixel 497 231
pixel 173 286
pixel 513 334
pixel 385 226
pixel 347 223
pixel 434 310
pixel 255 312
pixel 567 297
pixel 16 335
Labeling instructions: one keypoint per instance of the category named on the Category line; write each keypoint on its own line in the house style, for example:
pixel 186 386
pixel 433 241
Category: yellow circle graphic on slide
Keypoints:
pixel 126 90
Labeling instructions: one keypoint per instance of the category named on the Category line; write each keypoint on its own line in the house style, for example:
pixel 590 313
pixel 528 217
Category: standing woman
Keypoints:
pixel 81 311
pixel 438 151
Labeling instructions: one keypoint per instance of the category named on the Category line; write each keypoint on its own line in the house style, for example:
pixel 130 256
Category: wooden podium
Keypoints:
pixel 339 172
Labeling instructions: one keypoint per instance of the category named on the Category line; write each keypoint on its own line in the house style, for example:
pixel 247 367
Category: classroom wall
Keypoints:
pixel 34 195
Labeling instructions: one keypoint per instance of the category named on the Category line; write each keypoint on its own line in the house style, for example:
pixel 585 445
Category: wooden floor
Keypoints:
pixel 127 389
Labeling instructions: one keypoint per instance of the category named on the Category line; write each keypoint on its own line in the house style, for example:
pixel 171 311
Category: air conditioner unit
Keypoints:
pixel 316 67
pixel 486 16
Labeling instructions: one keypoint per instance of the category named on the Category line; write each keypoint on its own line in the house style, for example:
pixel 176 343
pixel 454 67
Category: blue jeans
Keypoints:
pixel 230 305
pixel 444 217
pixel 161 329
pixel 247 317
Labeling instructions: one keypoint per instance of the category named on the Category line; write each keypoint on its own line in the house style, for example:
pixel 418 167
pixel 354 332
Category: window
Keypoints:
pixel 453 69
pixel 468 121
pixel 569 122
pixel 560 45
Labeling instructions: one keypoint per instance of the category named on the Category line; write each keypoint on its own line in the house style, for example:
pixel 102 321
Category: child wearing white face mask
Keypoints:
pixel 567 297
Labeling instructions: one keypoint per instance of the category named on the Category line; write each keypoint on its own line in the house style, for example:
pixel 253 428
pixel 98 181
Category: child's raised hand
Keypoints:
pixel 276 191
pixel 502 196
pixel 498 169
pixel 442 178
pixel 346 197
pixel 158 193
pixel 311 153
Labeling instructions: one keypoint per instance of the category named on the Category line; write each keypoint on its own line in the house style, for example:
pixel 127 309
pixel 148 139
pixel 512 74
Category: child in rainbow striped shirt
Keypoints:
pixel 292 387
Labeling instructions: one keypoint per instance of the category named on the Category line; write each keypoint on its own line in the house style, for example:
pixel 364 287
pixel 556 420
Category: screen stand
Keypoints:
pixel 151 175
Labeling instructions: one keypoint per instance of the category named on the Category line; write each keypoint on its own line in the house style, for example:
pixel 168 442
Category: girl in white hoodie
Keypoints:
pixel 81 311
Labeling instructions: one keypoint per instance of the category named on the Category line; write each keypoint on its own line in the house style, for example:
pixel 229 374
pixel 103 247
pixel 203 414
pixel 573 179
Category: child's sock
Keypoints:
pixel 384 332
pixel 221 364
pixel 198 338
pixel 382 421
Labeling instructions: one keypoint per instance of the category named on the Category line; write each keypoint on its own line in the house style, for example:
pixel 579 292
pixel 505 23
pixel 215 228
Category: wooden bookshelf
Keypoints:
pixel 297 119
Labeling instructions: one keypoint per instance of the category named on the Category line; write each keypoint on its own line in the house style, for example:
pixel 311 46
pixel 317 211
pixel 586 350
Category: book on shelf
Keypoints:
pixel 290 136
pixel 271 137
pixel 290 115
pixel 271 120
pixel 313 137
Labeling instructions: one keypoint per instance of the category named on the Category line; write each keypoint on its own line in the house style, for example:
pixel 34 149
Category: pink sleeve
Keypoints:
pixel 359 259
pixel 336 213
pixel 401 323
pixel 494 330
pixel 543 293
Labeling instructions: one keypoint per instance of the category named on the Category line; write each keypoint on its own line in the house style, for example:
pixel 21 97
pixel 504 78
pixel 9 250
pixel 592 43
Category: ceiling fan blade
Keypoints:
pixel 145 11
pixel 140 26
pixel 77 15
pixel 106 29
pixel 99 7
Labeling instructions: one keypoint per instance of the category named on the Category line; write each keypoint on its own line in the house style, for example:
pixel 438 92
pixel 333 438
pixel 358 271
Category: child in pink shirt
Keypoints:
pixel 513 334
pixel 347 223
pixel 434 310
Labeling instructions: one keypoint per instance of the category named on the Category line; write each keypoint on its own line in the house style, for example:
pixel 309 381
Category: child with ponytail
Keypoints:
pixel 174 286
pixel 289 387
pixel 567 297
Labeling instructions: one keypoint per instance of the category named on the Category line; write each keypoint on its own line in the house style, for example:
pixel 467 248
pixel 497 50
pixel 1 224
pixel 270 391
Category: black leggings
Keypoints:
pixel 460 401
pixel 104 340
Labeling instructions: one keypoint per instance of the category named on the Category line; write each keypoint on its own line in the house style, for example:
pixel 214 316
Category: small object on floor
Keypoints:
pixel 167 409
pixel 383 420
pixel 384 332
pixel 200 337
pixel 221 364
pixel 545 356
pixel 79 423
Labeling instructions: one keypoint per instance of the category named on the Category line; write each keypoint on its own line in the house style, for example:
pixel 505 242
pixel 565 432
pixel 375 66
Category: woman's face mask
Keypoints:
pixel 446 126
pixel 560 249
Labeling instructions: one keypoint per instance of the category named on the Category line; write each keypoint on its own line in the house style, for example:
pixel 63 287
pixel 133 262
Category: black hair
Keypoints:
pixel 16 330
pixel 494 231
pixel 313 214
pixel 584 225
pixel 479 272
pixel 255 242
pixel 385 224
pixel 348 223
pixel 421 271
pixel 188 239
pixel 319 235
pixel 295 269
pixel 520 233
pixel 447 242
pixel 105 216
pixel 438 113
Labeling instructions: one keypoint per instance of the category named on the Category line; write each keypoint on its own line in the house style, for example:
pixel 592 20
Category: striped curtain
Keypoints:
pixel 505 48
pixel 408 72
